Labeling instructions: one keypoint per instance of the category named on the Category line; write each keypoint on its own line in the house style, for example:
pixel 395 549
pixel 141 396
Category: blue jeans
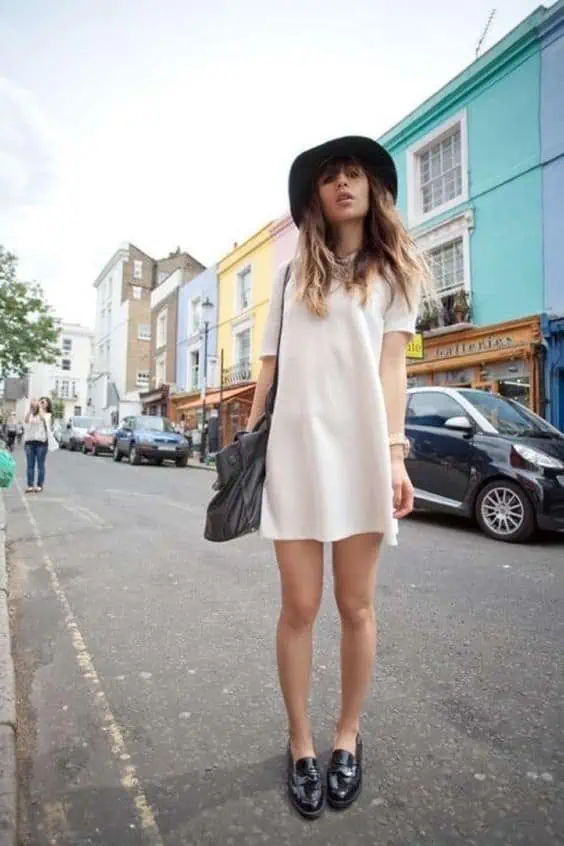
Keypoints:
pixel 35 451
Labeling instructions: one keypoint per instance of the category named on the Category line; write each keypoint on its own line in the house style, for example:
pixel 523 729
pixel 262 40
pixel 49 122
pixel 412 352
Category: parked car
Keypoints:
pixel 152 438
pixel 486 457
pixel 76 428
pixel 99 440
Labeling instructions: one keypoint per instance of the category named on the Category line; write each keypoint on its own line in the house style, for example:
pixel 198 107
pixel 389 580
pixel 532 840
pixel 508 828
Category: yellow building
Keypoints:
pixel 245 278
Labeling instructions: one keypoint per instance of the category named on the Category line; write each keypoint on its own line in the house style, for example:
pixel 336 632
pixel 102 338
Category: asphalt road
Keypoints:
pixel 147 693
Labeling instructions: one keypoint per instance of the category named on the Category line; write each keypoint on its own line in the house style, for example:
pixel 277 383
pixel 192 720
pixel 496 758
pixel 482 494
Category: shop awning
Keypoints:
pixel 214 397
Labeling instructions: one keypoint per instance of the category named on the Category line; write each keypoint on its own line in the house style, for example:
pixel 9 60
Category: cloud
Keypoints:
pixel 27 149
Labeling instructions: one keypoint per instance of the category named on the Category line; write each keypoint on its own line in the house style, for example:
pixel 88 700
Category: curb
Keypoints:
pixel 8 772
pixel 197 466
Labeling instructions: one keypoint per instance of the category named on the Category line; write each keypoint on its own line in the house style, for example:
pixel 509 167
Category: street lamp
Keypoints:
pixel 206 308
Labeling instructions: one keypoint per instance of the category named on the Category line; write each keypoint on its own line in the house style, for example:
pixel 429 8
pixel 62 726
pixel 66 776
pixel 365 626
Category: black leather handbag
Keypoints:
pixel 235 509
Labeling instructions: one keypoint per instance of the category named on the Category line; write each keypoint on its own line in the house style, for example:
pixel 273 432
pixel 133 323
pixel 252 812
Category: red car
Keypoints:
pixel 98 441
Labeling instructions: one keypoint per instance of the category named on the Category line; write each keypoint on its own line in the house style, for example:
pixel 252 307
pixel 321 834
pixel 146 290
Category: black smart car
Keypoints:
pixel 481 455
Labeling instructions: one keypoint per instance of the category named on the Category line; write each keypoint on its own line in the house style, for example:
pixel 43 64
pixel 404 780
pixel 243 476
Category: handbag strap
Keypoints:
pixel 271 396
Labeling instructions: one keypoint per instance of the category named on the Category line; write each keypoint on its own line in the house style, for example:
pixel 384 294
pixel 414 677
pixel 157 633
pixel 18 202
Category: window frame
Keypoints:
pixel 66 346
pixel 142 384
pixel 243 271
pixel 147 335
pixel 462 412
pixel 246 327
pixel 67 361
pixel 137 292
pixel 415 213
pixel 137 272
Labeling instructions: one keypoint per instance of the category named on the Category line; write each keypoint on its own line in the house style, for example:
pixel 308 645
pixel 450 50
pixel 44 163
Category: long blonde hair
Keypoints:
pixel 388 250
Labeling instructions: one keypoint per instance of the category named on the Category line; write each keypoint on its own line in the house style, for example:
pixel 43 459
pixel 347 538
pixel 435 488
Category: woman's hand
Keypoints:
pixel 402 488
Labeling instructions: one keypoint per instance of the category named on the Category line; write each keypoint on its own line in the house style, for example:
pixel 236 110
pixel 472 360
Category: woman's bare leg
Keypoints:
pixel 354 577
pixel 301 577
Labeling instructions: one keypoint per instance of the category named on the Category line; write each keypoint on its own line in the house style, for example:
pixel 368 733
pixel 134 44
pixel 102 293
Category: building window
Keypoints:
pixel 161 328
pixel 194 370
pixel 196 315
pixel 160 369
pixel 137 291
pixel 440 172
pixel 447 266
pixel 143 379
pixel 73 389
pixel 67 345
pixel 66 364
pixel 144 332
pixel 244 288
pixel 137 269
pixel 162 276
pixel 243 347
pixel 78 411
pixel 437 171
pixel 65 389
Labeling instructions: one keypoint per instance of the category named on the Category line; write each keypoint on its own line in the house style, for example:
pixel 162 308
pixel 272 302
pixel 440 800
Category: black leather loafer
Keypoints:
pixel 344 777
pixel 305 786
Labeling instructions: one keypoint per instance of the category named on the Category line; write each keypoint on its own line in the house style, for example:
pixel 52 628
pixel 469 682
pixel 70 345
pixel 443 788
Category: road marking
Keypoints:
pixel 171 503
pixel 128 774
pixel 87 514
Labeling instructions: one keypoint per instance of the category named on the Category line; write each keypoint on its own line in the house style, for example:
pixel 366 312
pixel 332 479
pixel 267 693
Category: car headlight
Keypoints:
pixel 538 458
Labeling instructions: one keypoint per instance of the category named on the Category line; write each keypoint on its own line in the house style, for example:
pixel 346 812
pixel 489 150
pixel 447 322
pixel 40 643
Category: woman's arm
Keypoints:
pixel 263 385
pixel 393 377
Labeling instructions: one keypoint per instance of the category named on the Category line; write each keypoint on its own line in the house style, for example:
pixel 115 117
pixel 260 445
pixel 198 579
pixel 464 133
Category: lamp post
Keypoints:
pixel 206 307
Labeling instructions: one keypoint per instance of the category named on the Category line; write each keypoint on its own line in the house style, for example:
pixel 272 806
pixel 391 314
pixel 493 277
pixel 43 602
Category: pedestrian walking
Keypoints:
pixel 335 469
pixel 11 430
pixel 37 431
pixel 20 432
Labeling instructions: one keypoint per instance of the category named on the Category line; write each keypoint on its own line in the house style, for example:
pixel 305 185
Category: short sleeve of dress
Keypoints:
pixel 272 328
pixel 401 316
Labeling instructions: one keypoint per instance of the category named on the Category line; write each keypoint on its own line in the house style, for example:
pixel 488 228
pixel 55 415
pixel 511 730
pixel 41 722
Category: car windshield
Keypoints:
pixel 86 423
pixel 155 424
pixel 509 417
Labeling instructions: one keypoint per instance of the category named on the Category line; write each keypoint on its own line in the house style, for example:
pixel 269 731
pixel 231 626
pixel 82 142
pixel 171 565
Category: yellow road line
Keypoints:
pixel 128 774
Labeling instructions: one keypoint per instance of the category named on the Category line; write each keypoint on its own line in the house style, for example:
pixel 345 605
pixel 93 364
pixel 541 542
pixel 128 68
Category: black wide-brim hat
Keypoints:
pixel 367 152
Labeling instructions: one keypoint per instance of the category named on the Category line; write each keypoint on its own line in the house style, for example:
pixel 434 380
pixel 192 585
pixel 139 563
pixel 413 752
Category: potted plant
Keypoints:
pixel 461 306
pixel 429 318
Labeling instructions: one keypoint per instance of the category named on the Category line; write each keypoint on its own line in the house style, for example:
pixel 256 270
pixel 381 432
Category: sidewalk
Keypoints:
pixel 8 775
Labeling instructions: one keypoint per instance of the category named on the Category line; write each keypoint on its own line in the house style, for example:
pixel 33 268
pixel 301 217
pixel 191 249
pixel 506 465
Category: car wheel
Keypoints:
pixel 158 461
pixel 94 450
pixel 117 453
pixel 134 457
pixel 84 450
pixel 504 512
pixel 182 462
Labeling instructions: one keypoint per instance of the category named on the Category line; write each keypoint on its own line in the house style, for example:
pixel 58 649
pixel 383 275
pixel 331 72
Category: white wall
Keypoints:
pixel 45 379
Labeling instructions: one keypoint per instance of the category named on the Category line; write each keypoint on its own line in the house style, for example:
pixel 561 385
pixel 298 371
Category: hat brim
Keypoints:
pixel 307 165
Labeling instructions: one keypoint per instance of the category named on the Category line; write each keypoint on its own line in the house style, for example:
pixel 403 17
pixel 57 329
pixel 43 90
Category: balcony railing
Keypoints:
pixel 239 372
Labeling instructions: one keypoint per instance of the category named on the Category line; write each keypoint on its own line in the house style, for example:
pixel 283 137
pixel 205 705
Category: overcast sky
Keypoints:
pixel 174 122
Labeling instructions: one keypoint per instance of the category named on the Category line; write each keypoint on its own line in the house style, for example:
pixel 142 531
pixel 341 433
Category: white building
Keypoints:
pixel 67 379
pixel 122 335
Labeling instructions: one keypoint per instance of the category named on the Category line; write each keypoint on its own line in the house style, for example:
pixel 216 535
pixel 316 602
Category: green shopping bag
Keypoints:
pixel 7 469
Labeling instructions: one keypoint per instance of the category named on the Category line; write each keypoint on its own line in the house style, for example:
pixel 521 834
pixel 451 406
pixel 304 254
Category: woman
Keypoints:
pixel 38 422
pixel 336 450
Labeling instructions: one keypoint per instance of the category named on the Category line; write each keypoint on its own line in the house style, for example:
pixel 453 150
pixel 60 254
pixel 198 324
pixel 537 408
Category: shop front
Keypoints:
pixel 503 358
pixel 553 331
pixel 227 412
pixel 155 403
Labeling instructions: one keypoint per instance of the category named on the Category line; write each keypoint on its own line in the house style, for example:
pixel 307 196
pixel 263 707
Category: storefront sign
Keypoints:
pixel 415 347
pixel 487 344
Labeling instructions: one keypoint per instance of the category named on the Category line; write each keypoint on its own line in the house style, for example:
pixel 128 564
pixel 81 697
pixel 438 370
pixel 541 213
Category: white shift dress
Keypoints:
pixel 328 473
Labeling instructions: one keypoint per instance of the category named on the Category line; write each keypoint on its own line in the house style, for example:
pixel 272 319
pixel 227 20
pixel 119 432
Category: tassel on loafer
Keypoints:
pixel 344 777
pixel 305 786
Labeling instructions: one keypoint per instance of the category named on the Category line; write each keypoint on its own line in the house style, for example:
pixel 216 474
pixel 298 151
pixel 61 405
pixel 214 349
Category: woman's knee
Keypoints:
pixel 299 614
pixel 356 612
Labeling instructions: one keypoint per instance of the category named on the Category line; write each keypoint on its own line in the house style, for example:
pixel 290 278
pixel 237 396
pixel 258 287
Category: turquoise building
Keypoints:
pixel 470 162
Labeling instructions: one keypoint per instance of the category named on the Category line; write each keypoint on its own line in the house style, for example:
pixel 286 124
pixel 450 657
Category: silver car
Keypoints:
pixel 75 429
